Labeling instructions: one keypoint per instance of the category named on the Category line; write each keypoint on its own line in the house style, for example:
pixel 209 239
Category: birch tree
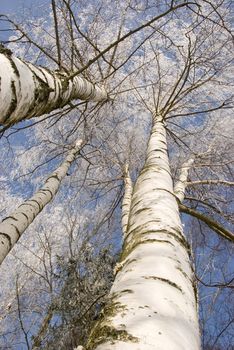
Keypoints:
pixel 120 326
pixel 70 291
pixel 154 234
pixel 176 70
pixel 28 91
pixel 12 227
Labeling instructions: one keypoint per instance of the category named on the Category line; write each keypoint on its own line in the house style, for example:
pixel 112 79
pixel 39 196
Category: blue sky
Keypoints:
pixel 21 8
pixel 15 6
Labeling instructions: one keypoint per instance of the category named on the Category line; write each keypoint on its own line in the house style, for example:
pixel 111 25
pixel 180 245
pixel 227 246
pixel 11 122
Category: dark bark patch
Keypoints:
pixel 13 103
pixel 112 335
pixel 142 210
pixel 128 249
pixel 54 176
pixel 28 203
pixel 103 331
pixel 139 229
pixel 180 239
pixel 7 237
pixel 5 51
pixel 9 217
pixel 128 291
pixel 43 190
pixel 183 273
pixel 173 284
pixel 14 67
pixel 26 216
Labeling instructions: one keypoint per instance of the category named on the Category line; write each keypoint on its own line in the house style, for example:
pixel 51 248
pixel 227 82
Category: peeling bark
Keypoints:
pixel 12 227
pixel 152 303
pixel 28 91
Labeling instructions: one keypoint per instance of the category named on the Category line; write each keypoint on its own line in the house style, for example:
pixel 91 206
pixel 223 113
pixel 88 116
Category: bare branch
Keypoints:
pixel 56 33
pixel 214 225
pixel 130 33
pixel 210 182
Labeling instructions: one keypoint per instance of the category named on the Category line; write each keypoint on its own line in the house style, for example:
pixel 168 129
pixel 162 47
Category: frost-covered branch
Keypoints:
pixel 126 204
pixel 130 33
pixel 210 182
pixel 12 227
pixel 29 91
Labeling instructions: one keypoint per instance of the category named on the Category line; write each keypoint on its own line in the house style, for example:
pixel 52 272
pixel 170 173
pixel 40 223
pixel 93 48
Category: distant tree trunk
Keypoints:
pixel 126 203
pixel 180 185
pixel 28 91
pixel 12 227
pixel 152 303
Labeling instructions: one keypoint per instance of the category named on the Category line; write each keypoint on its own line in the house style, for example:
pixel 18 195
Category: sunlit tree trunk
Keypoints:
pixel 152 303
pixel 28 91
pixel 180 185
pixel 126 203
pixel 12 227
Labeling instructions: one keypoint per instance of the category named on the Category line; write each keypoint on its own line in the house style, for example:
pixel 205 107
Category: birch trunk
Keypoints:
pixel 126 203
pixel 152 303
pixel 12 227
pixel 180 186
pixel 28 91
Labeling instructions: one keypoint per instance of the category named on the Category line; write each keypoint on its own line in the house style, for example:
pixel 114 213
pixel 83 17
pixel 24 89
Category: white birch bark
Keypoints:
pixel 180 186
pixel 126 203
pixel 12 227
pixel 152 303
pixel 28 91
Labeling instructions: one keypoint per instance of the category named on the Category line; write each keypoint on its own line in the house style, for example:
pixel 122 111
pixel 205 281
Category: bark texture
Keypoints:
pixel 152 303
pixel 28 91
pixel 12 227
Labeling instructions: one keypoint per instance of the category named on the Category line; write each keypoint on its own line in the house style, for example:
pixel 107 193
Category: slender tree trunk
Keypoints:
pixel 180 186
pixel 152 303
pixel 126 203
pixel 12 227
pixel 28 91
